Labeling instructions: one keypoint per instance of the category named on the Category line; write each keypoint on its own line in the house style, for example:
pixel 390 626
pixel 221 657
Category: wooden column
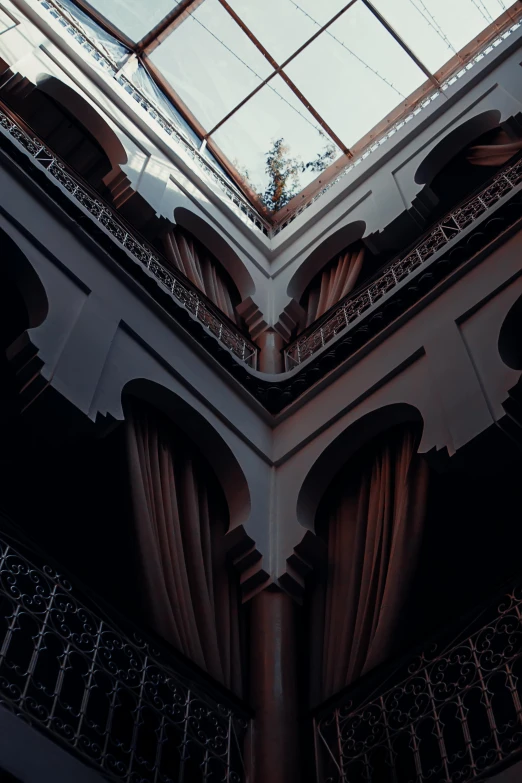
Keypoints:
pixel 271 352
pixel 273 691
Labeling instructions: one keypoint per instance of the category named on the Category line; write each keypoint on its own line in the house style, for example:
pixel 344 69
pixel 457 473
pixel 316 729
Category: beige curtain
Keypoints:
pixel 337 281
pixel 181 524
pixel 375 519
pixel 498 152
pixel 202 270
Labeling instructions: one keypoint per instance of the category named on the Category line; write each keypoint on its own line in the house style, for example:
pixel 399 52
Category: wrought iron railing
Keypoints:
pixel 354 307
pixel 78 190
pixel 255 219
pixel 104 60
pixel 106 694
pixel 453 713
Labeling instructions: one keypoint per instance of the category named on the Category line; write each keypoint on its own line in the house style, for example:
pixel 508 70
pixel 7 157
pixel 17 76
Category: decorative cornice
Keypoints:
pixel 486 228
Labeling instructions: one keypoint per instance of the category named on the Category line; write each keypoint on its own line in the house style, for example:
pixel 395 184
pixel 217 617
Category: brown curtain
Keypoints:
pixel 181 524
pixel 496 153
pixel 191 258
pixel 374 517
pixel 337 281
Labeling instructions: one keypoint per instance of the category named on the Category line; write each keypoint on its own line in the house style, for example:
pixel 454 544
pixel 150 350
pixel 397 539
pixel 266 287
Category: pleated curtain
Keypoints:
pixel 496 153
pixel 190 257
pixel 181 522
pixel 374 518
pixel 337 280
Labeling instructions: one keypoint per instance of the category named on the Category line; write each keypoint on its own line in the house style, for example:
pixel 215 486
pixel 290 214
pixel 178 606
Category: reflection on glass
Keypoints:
pixel 282 26
pixel 211 63
pixel 140 77
pixel 134 17
pixel 435 30
pixel 115 51
pixel 276 144
pixel 355 73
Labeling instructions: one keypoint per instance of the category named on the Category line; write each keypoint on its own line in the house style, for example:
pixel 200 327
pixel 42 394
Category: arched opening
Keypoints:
pixel 335 269
pixel 187 254
pixel 371 518
pixel 339 277
pixel 70 127
pixel 467 158
pixel 140 517
pixel 190 593
pixel 510 338
pixel 219 248
pixel 410 548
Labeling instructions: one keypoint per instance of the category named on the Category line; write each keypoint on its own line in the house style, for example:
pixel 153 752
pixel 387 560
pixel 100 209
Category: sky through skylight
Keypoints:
pixel 317 74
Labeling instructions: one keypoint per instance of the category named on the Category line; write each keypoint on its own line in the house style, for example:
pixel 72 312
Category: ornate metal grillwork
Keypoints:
pixel 189 298
pixel 453 715
pixel 108 696
pixel 353 307
pixel 103 59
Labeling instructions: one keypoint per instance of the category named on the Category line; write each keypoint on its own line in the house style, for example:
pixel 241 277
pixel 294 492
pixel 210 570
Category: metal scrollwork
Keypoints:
pixel 106 695
pixel 103 214
pixel 454 715
pixel 351 308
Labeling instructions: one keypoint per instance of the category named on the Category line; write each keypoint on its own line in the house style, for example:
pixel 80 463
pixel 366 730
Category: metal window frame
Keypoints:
pixel 434 81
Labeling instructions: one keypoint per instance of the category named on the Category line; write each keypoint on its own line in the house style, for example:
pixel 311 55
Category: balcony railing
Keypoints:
pixel 453 713
pixel 107 695
pixel 79 191
pixel 354 307
pixel 104 60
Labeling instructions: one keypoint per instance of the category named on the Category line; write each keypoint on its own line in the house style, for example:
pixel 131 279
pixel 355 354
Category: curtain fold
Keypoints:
pixel 192 260
pixel 337 281
pixel 496 153
pixel 181 524
pixel 374 519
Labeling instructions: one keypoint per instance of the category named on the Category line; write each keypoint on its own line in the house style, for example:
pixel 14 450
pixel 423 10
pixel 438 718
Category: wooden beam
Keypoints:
pixel 278 69
pixel 167 25
pixel 387 26
pixel 105 24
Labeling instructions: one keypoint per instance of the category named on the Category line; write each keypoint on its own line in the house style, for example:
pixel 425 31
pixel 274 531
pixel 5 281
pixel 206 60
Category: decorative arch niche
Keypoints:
pixel 449 172
pixel 219 248
pixel 205 438
pixel 181 503
pixel 70 127
pixel 358 435
pixel 325 252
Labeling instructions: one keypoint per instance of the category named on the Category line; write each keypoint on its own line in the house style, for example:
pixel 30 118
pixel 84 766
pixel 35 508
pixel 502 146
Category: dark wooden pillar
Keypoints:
pixel 271 346
pixel 273 689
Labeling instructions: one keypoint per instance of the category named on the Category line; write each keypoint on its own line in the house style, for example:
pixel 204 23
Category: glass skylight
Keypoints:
pixel 133 17
pixel 279 90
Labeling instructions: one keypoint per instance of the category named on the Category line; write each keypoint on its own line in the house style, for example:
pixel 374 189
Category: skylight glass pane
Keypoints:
pixel 282 26
pixel 435 30
pixel 134 17
pixel 355 73
pixel 275 113
pixel 211 63
pixel 112 48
